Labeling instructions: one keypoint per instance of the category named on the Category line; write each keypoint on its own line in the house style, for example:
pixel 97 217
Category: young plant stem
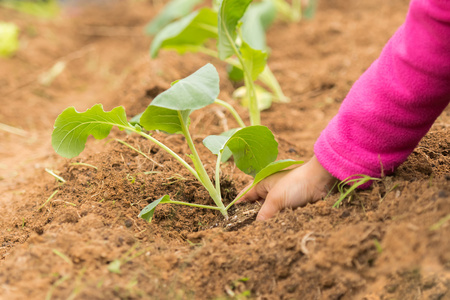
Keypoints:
pixel 202 174
pixel 217 174
pixel 195 205
pixel 233 112
pixel 266 76
pixel 240 196
pixel 48 200
pixel 255 118
pixel 269 79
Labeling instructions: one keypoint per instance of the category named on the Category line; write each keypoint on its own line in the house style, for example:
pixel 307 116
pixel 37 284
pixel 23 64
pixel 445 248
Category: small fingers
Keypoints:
pixel 260 191
pixel 269 209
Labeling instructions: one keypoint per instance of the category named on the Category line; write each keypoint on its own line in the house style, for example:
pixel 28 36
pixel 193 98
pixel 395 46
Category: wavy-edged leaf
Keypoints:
pixel 257 19
pixel 193 92
pixel 170 110
pixel 72 128
pixel 173 10
pixel 187 33
pixel 230 12
pixel 148 211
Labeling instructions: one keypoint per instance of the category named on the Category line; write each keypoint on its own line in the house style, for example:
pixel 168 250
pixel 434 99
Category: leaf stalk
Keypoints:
pixel 233 112
pixel 202 174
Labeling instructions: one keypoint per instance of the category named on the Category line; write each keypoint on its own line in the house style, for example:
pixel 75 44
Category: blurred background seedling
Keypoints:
pixel 9 39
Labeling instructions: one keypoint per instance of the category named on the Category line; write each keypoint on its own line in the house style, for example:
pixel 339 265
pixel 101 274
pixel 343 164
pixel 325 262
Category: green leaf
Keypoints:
pixel 173 10
pixel 255 60
pixel 215 143
pixel 257 19
pixel 234 73
pixel 171 109
pixel 270 169
pixel 72 128
pixel 230 12
pixel 160 118
pixel 149 210
pixel 263 97
pixel 193 92
pixel 273 168
pixel 187 33
pixel 253 147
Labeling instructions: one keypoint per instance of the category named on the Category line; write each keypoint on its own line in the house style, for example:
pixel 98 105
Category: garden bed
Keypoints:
pixel 389 242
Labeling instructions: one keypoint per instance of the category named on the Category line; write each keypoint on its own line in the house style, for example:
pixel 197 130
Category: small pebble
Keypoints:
pixel 128 223
pixel 442 194
pixel 345 214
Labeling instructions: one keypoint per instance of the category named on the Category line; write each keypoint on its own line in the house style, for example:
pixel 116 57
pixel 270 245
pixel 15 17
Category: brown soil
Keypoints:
pixel 388 242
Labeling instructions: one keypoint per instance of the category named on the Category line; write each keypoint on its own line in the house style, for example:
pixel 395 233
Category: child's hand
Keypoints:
pixel 291 188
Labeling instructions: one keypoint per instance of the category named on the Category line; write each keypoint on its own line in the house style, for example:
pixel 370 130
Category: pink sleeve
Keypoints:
pixel 395 102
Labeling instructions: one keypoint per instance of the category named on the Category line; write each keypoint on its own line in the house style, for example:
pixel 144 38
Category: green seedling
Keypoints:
pixel 9 39
pixel 48 200
pixel 378 246
pixel 251 60
pixel 62 256
pixel 239 29
pixel 355 181
pixel 440 223
pixel 51 172
pixel 254 148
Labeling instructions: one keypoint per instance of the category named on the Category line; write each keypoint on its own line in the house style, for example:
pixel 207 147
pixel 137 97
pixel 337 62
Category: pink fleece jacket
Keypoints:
pixel 395 102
